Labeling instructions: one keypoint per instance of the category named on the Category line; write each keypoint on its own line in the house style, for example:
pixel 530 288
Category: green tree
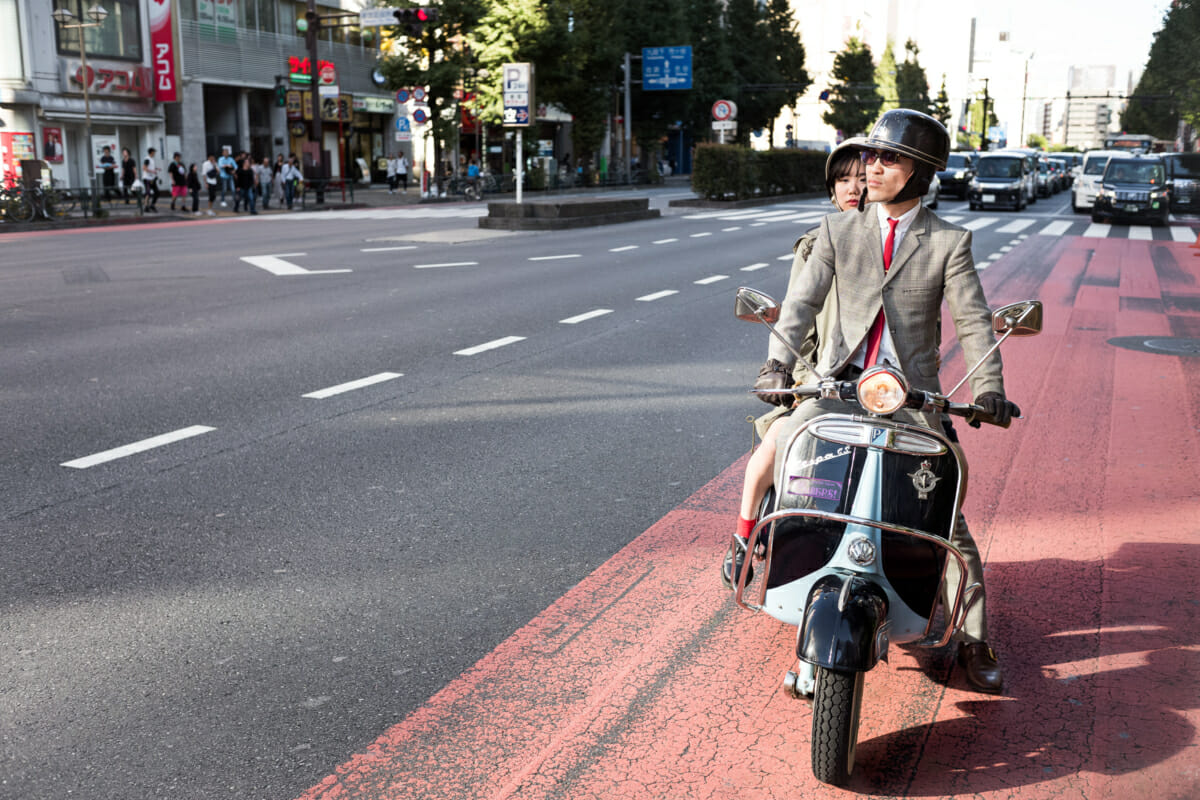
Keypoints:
pixel 854 99
pixel 1036 140
pixel 885 77
pixel 432 59
pixel 941 106
pixel 912 86
pixel 973 138
pixel 1169 89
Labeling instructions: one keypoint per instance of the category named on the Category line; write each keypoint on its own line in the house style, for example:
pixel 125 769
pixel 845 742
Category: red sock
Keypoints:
pixel 744 526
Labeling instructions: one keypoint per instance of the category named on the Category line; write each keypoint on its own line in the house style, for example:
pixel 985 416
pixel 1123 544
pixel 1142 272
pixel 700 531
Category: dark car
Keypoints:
pixel 1183 179
pixel 1133 188
pixel 956 177
pixel 1000 180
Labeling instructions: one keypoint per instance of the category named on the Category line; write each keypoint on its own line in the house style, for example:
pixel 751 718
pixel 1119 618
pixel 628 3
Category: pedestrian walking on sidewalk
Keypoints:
pixel 212 175
pixel 247 184
pixel 150 181
pixel 128 172
pixel 193 187
pixel 178 174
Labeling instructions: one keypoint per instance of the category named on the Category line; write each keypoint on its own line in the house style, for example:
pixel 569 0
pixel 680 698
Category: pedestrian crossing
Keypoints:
pixel 1006 224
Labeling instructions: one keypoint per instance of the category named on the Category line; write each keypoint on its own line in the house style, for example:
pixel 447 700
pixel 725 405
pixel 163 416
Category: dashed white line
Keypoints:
pixel 754 267
pixel 711 279
pixel 665 241
pixel 321 394
pixel 556 258
pixel 387 249
pixel 492 345
pixel 757 224
pixel 623 249
pixel 649 298
pixel 731 230
pixel 137 447
pixel 788 257
pixel 447 264
pixel 599 312
pixel 701 235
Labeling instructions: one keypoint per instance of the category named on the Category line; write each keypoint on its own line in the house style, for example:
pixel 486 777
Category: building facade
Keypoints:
pixel 238 73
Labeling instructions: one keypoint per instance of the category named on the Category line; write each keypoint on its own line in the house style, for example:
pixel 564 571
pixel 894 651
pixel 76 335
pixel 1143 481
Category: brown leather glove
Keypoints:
pixel 998 407
pixel 775 375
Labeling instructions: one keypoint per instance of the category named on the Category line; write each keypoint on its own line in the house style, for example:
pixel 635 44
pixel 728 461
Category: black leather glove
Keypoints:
pixel 998 407
pixel 775 375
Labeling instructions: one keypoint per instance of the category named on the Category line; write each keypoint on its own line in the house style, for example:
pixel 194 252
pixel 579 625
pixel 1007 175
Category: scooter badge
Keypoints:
pixel 924 480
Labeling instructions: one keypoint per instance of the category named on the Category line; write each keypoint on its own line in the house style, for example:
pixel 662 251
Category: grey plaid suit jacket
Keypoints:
pixel 932 263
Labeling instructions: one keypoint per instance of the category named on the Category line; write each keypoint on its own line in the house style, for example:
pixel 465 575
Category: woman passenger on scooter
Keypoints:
pixel 846 182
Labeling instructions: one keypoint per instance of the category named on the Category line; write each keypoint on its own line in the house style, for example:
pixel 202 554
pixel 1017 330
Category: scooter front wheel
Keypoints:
pixel 836 705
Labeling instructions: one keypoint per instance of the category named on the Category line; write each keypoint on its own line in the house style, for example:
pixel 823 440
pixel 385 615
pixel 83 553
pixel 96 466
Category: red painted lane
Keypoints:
pixel 645 681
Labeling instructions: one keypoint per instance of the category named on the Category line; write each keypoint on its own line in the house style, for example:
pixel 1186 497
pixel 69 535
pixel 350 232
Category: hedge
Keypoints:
pixel 731 172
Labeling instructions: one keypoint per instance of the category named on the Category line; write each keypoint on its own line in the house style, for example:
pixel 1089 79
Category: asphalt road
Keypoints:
pixel 489 417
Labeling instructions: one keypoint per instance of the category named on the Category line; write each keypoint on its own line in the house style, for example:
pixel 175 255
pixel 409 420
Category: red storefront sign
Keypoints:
pixel 164 51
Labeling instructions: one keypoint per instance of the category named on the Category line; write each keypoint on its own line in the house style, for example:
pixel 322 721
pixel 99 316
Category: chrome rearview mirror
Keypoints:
pixel 754 306
pixel 1018 319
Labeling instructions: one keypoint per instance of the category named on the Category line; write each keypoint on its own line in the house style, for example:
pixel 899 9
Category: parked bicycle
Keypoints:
pixel 18 204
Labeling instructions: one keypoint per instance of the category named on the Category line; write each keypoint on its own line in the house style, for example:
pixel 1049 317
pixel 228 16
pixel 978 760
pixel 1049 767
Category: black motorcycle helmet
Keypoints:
pixel 918 136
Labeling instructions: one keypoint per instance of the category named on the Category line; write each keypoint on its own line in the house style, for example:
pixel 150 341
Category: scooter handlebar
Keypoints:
pixel 848 390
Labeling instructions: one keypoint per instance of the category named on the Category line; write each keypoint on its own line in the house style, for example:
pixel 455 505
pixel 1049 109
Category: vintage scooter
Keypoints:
pixel 853 540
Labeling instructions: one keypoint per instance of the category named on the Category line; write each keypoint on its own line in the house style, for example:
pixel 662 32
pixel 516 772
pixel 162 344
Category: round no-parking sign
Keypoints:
pixel 724 109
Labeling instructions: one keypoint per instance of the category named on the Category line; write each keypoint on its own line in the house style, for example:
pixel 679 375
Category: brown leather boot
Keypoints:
pixel 981 667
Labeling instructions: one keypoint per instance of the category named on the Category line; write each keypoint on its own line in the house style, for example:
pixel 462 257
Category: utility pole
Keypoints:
pixel 983 145
pixel 314 28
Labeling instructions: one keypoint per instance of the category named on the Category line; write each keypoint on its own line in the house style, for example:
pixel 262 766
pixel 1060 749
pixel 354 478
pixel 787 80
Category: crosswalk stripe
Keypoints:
pixel 1141 233
pixel 1016 226
pixel 1056 228
pixel 1181 234
pixel 980 222
pixel 1097 230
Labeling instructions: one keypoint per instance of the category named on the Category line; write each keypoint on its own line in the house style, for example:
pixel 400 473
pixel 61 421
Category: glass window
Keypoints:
pixel 118 37
pixel 1185 166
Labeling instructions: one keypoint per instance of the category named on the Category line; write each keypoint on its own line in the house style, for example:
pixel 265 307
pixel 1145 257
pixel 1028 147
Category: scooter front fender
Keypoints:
pixel 844 624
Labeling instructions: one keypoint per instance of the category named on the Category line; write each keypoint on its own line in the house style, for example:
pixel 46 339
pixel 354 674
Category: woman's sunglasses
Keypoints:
pixel 887 157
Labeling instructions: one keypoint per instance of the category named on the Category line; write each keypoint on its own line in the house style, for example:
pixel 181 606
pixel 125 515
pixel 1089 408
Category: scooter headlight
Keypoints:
pixel 882 391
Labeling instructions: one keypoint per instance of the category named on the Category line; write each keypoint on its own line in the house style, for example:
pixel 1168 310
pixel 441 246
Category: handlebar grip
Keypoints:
pixel 974 415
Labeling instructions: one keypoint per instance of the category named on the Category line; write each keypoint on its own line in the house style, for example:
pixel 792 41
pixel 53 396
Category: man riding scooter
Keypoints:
pixel 894 263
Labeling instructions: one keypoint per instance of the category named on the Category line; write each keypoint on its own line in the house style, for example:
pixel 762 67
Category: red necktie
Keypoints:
pixel 876 335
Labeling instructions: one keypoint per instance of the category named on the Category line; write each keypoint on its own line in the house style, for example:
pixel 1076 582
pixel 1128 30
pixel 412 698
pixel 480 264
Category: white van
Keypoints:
pixel 1083 193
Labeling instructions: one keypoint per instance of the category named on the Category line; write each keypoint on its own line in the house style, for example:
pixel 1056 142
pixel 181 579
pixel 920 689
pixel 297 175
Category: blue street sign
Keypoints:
pixel 403 125
pixel 666 68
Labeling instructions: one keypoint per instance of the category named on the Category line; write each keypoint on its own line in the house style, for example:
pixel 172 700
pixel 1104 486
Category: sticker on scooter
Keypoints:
pixel 924 480
pixel 821 489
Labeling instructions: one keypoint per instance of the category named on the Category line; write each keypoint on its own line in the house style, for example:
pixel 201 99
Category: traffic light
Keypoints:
pixel 414 20
pixel 280 95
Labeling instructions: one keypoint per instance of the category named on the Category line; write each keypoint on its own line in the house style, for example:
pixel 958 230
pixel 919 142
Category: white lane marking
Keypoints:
pixel 599 312
pixel 447 264
pixel 492 345
pixel 387 249
pixel 649 298
pixel 1141 233
pixel 701 235
pixel 275 265
pixel 757 224
pixel 556 258
pixel 321 394
pixel 665 241
pixel 1006 249
pixel 980 222
pixel 1097 230
pixel 1181 234
pixel 623 249
pixel 788 257
pixel 1017 225
pixel 137 447
pixel 711 279
pixel 1056 228
pixel 754 267
pixel 730 230
pixel 954 218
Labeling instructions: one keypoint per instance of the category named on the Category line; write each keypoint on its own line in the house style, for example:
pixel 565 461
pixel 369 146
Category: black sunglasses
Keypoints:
pixel 888 158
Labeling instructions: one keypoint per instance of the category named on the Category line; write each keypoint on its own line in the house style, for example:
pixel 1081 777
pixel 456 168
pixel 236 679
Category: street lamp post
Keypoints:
pixel 65 20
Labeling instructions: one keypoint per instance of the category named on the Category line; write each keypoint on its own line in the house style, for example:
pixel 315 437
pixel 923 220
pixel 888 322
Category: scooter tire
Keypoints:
pixel 837 702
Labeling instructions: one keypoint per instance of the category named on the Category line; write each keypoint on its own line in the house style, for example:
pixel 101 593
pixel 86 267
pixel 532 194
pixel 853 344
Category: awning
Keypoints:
pixel 104 111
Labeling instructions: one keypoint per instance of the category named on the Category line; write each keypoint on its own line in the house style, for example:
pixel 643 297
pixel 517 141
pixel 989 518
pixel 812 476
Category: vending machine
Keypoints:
pixel 14 148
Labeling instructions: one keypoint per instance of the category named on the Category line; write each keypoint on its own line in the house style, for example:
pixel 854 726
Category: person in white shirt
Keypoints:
pixel 211 173
pixel 150 181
